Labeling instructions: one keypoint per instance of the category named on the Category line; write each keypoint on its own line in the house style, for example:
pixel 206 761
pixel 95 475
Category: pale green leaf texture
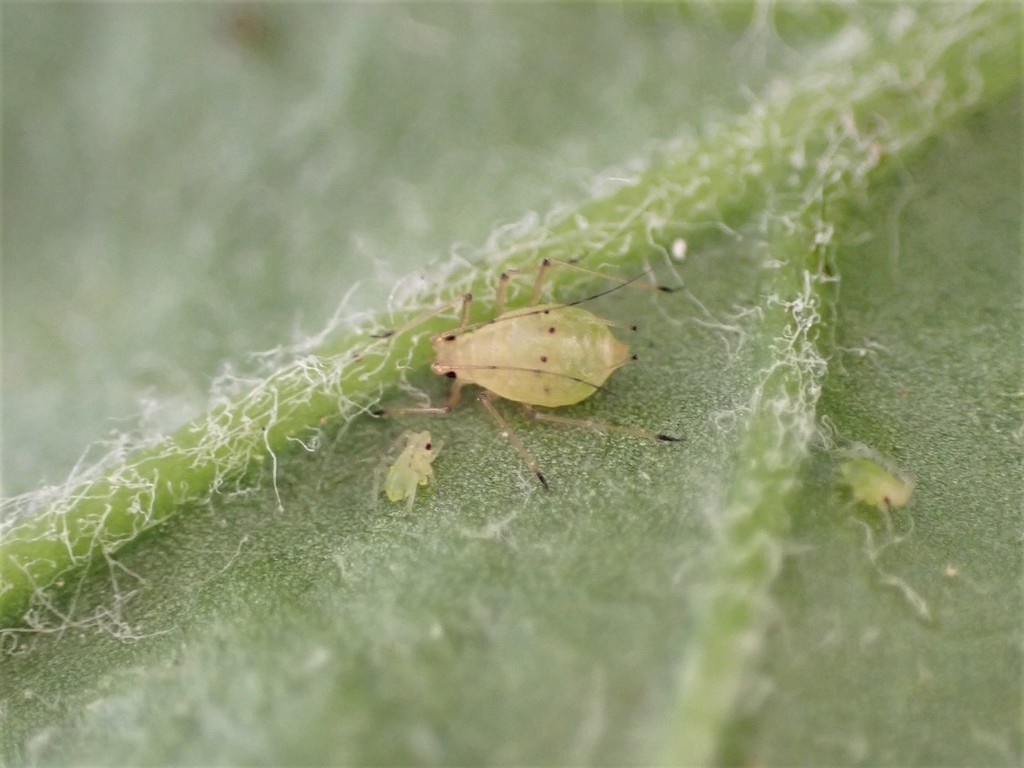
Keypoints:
pixel 179 180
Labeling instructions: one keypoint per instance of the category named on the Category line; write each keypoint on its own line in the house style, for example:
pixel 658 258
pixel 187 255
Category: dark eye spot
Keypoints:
pixel 428 447
pixel 551 329
pixel 450 337
pixel 547 311
pixel 451 374
pixel 543 358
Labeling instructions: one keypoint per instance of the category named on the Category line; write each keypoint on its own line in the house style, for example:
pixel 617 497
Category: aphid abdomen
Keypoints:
pixel 549 355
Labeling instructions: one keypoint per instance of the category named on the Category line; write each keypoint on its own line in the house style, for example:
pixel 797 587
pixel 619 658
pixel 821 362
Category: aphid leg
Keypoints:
pixel 499 299
pixel 448 407
pixel 466 300
pixel 542 273
pixel 456 391
pixel 597 426
pixel 375 498
pixel 507 275
pixel 506 431
pixel 886 509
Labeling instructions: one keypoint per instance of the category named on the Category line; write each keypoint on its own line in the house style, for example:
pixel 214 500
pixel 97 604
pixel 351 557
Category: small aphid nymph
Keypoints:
pixel 876 485
pixel 412 468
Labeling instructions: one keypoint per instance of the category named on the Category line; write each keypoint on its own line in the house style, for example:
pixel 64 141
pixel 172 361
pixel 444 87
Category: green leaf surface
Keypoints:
pixel 852 278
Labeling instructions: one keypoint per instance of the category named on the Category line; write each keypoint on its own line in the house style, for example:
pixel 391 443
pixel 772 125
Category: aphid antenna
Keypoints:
pixel 551 308
pixel 573 263
pixel 614 288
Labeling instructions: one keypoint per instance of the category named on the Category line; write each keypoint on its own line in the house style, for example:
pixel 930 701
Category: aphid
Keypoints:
pixel 876 481
pixel 879 486
pixel 412 468
pixel 548 355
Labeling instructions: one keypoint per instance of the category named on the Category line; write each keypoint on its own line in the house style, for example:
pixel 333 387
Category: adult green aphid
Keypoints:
pixel 412 468
pixel 548 355
pixel 876 485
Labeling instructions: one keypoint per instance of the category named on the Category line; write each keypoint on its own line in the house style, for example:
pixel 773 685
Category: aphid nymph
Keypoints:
pixel 876 485
pixel 548 355
pixel 412 468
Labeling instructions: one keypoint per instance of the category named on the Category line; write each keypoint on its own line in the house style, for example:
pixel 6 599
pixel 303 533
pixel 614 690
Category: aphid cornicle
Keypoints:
pixel 548 355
